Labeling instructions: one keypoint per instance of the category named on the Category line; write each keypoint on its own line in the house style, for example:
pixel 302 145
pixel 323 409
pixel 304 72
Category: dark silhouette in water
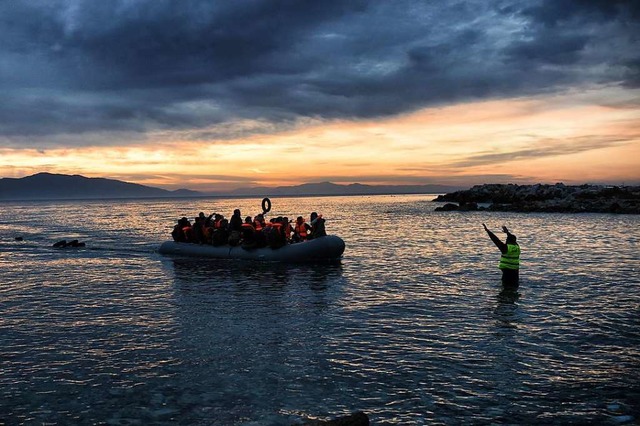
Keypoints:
pixel 64 244
pixel 507 306
pixel 510 259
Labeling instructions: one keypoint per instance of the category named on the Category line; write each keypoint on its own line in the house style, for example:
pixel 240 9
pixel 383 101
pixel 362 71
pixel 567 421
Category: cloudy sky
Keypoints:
pixel 220 94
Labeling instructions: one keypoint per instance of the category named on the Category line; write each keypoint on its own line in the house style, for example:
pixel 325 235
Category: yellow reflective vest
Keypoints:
pixel 510 259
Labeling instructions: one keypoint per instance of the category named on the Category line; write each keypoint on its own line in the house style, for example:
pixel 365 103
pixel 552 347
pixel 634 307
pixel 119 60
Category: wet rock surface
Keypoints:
pixel 558 198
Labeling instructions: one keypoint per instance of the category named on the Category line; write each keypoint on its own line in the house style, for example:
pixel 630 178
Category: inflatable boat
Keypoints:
pixel 323 249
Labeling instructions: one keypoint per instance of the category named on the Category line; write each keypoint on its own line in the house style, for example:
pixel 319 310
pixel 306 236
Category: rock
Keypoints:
pixel 72 243
pixel 356 419
pixel 558 198
pixel 468 206
pixel 447 207
pixel 60 244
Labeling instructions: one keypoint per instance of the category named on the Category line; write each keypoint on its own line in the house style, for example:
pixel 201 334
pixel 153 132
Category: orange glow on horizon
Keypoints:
pixel 571 137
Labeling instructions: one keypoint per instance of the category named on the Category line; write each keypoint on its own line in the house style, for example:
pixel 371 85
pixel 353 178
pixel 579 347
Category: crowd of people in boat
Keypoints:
pixel 249 232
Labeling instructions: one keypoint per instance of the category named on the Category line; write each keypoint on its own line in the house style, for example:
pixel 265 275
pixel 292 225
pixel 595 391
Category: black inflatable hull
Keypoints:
pixel 323 249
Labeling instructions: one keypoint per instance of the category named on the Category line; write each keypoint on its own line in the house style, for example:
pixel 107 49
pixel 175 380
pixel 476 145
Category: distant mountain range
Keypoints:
pixel 328 188
pixel 46 186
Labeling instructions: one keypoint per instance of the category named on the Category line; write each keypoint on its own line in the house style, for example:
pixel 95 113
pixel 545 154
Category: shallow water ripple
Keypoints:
pixel 413 327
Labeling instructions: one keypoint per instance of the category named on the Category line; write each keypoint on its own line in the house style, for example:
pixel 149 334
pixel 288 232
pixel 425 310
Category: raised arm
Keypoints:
pixel 502 246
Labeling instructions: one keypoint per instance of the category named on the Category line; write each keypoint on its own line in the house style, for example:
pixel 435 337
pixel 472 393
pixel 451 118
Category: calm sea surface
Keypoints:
pixel 412 327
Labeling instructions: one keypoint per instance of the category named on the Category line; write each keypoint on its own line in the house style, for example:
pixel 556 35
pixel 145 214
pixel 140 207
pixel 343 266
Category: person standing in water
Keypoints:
pixel 510 259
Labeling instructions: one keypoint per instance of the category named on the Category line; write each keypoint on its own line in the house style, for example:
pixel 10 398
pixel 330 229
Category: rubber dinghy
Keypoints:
pixel 321 249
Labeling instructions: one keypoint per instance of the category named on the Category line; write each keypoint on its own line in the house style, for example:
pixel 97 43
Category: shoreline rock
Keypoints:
pixel 558 198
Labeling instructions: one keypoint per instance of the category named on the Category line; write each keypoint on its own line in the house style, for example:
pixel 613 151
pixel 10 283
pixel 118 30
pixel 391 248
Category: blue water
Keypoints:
pixel 412 327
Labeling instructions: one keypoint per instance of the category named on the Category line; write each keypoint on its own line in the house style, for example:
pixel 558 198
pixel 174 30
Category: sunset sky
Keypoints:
pixel 218 95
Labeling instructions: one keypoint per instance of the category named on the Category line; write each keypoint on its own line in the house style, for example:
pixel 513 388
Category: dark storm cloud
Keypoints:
pixel 549 48
pixel 84 67
pixel 632 75
pixel 552 13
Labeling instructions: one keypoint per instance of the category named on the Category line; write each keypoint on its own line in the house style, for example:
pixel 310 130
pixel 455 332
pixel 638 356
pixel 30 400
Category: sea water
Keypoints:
pixel 412 326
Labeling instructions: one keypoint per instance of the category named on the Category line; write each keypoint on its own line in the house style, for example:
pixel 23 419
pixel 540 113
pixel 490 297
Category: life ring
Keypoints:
pixel 266 205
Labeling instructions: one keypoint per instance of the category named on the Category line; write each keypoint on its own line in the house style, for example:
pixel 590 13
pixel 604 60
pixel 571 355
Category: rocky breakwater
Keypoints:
pixel 545 198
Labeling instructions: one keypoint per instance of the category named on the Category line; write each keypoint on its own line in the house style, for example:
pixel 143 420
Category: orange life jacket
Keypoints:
pixel 188 233
pixel 207 233
pixel 277 226
pixel 301 230
pixel 257 225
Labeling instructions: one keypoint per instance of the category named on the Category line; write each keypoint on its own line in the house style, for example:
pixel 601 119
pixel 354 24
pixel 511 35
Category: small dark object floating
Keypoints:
pixel 72 243
pixel 19 239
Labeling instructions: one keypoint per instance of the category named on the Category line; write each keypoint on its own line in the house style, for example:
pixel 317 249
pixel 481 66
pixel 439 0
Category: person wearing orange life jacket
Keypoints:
pixel 286 228
pixel 300 230
pixel 211 225
pixel 179 230
pixel 208 233
pixel 248 223
pixel 199 227
pixel 189 235
pixel 259 226
pixel 276 222
pixel 510 259
pixel 274 233
pixel 217 221
pixel 258 222
pixel 248 234
pixel 220 235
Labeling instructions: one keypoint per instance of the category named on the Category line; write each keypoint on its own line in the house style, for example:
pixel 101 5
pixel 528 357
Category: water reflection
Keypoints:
pixel 506 310
pixel 412 328
pixel 215 272
pixel 257 329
